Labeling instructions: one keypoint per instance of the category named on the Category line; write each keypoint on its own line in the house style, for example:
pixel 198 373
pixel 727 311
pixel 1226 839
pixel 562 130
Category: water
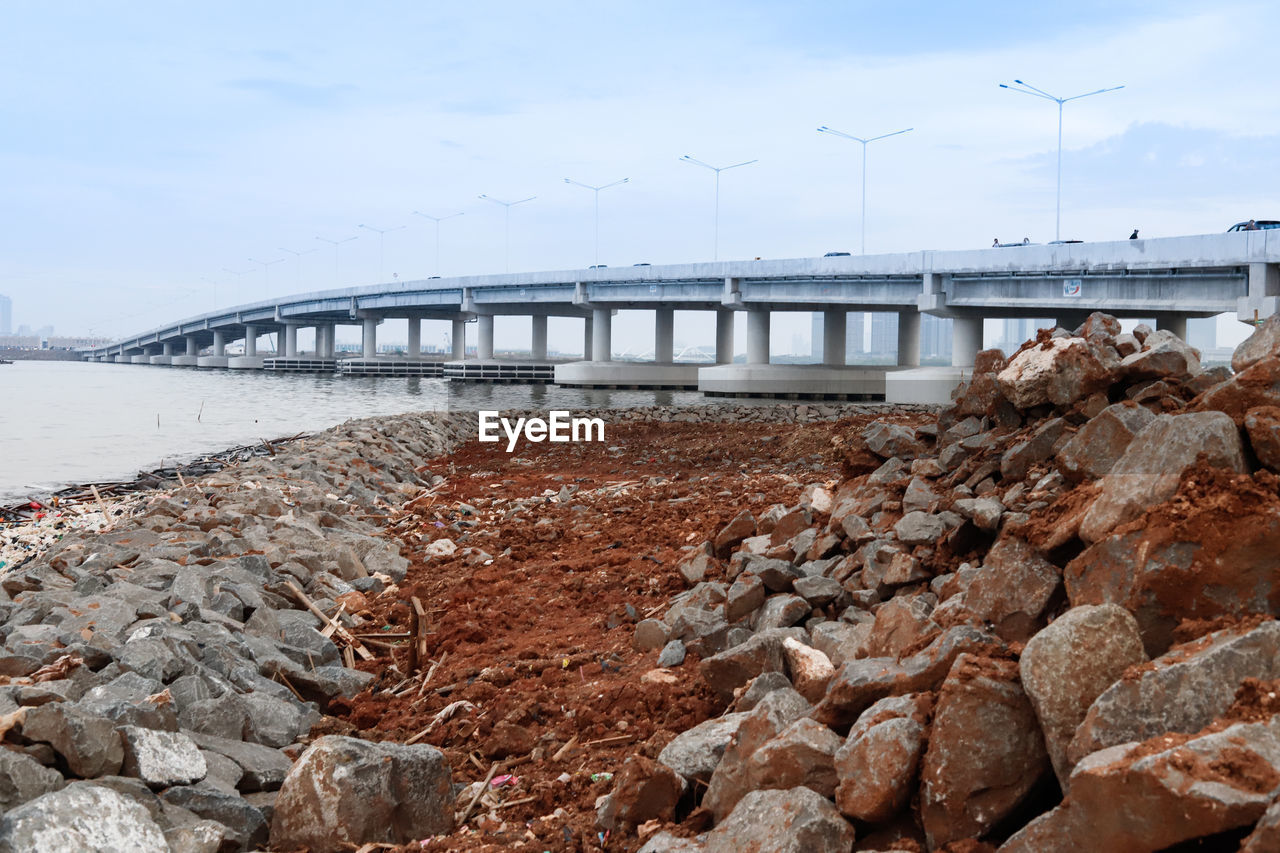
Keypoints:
pixel 73 422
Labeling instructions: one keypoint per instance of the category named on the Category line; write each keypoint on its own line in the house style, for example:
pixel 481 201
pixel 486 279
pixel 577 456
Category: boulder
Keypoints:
pixel 1058 371
pixel 1181 691
pixel 22 778
pixel 1011 591
pixel 1016 462
pixel 1264 342
pixel 888 440
pixel 734 667
pixel 263 768
pixel 733 778
pixel 746 594
pixel 161 759
pixel 985 751
pixel 802 754
pixel 899 624
pixel 1155 795
pixel 1094 450
pixel 794 821
pixel 919 528
pixel 876 765
pixel 88 743
pixel 246 826
pixel 81 818
pixel 695 753
pixel 344 792
pixel 1257 385
pixel 1262 424
pixel 1152 464
pixel 643 790
pixel 732 534
pixel 1066 666
pixel 808 669
pixel 1163 355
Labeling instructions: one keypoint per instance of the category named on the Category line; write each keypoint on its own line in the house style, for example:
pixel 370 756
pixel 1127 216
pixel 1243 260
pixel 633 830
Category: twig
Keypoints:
pixel 484 786
pixel 614 739
pixel 564 750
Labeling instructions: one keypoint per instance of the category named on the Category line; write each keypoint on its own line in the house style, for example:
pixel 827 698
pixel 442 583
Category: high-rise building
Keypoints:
pixel 6 315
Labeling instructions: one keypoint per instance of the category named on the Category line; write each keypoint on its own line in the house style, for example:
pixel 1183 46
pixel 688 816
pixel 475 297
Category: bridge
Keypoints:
pixel 1170 279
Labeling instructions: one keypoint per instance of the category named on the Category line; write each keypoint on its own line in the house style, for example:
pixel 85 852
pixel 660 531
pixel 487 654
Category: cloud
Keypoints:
pixel 288 91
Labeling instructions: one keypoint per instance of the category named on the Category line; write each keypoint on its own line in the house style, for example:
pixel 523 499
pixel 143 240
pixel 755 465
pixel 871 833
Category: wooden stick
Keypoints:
pixel 342 632
pixel 413 644
pixel 484 786
pixel 564 750
pixel 614 739
pixel 98 497
pixel 518 802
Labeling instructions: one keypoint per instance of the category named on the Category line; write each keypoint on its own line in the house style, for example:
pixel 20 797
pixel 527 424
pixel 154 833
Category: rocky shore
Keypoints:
pixel 1039 619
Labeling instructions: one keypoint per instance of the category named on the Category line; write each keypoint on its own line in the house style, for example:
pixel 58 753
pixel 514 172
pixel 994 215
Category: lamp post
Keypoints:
pixel 237 274
pixel 297 260
pixel 715 253
pixel 266 277
pixel 336 244
pixel 382 238
pixel 506 255
pixel 843 135
pixel 437 220
pixel 596 190
pixel 1028 89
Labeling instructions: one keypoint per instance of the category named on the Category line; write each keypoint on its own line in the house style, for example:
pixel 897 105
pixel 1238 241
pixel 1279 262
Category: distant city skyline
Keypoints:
pixel 158 147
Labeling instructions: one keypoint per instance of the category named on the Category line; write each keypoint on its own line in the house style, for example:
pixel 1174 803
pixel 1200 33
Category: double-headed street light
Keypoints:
pixel 266 278
pixel 437 220
pixel 336 244
pixel 506 259
pixel 297 262
pixel 1028 89
pixel 382 237
pixel 596 190
pixel 843 135
pixel 715 251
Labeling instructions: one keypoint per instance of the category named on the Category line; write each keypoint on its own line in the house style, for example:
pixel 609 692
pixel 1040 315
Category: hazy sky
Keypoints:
pixel 147 146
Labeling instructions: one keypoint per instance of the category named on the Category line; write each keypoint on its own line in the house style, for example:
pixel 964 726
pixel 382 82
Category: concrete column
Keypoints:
pixel 1264 280
pixel 458 340
pixel 219 343
pixel 601 334
pixel 323 330
pixel 966 340
pixel 168 348
pixel 1176 323
pixel 290 341
pixel 724 336
pixel 664 335
pixel 250 340
pixel 538 325
pixel 909 338
pixel 193 348
pixel 484 344
pixel 587 339
pixel 757 337
pixel 369 338
pixel 833 337
pixel 415 337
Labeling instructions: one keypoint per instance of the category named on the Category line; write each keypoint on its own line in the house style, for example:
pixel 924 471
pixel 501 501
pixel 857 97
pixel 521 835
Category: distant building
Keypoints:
pixel 6 315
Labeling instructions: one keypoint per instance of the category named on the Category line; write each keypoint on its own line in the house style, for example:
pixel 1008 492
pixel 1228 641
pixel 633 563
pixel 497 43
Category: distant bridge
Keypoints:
pixel 1170 279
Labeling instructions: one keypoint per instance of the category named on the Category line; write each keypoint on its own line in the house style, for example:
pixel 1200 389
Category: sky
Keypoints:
pixel 154 155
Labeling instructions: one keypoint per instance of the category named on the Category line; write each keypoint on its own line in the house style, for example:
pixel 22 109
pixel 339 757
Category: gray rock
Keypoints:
pixel 672 654
pixel 23 778
pixel 781 611
pixel 817 590
pixel 87 742
pixel 733 778
pixel 161 759
pixel 226 716
pixel 277 722
pixel 81 818
pixel 650 634
pixel 151 657
pixel 892 440
pixel 746 594
pixel 919 528
pixel 346 792
pixel 695 753
pixel 222 774
pixel 794 821
pixel 761 686
pixel 735 666
pixel 1094 450
pixel 1011 591
pixel 246 826
pixel 264 768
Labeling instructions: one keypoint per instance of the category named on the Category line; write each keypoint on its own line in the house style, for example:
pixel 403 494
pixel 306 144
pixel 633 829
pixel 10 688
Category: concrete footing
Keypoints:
pixel 628 374
pixel 161 359
pixel 390 367
pixel 139 359
pixel 300 365
pixel 793 381
pixel 246 362
pixel 185 361
pixel 212 361
pixel 505 370
pixel 924 384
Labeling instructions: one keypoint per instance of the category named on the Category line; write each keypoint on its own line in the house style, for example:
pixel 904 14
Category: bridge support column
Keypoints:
pixel 758 337
pixel 664 330
pixel 219 343
pixel 168 348
pixel 1176 323
pixel 458 340
pixel 834 326
pixel 538 339
pixel 290 348
pixel 250 341
pixel 193 348
pixel 415 337
pixel 1264 294
pixel 724 336
pixel 909 338
pixel 601 334
pixel 588 340
pixel 484 345
pixel 369 338
pixel 966 340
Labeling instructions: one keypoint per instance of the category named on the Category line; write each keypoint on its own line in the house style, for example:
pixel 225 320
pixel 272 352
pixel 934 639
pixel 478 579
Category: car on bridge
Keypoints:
pixel 1261 225
pixel 832 255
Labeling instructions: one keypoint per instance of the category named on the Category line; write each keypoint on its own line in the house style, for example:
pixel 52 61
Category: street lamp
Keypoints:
pixel 437 220
pixel 715 254
pixel 297 259
pixel 506 258
pixel 382 237
pixel 842 135
pixel 1028 89
pixel 237 274
pixel 266 278
pixel 336 244
pixel 596 190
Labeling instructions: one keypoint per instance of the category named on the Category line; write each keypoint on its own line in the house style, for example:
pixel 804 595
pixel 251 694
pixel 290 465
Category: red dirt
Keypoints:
pixel 537 635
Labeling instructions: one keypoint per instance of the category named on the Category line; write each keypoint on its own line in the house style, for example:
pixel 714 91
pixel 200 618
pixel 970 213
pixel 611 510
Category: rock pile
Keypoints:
pixel 1043 624
pixel 156 677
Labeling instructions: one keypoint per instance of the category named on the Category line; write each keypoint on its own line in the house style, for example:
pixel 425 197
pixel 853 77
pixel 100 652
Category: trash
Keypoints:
pixel 504 779
pixel 601 777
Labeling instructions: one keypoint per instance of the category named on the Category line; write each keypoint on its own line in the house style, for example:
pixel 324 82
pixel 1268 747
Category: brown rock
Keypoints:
pixel 508 739
pixel 1100 443
pixel 642 790
pixel 1265 837
pixel 1058 371
pixel 790 524
pixel 1263 426
pixel 1257 385
pixel 1011 591
pixel 1065 667
pixel 876 765
pixel 899 624
pixel 802 754
pixel 809 669
pixel 985 751
pixel 1163 355
pixel 742 526
pixel 1021 456
pixel 732 778
pixel 892 440
pixel 1263 343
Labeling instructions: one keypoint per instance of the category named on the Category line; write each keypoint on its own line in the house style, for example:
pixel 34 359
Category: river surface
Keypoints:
pixel 74 422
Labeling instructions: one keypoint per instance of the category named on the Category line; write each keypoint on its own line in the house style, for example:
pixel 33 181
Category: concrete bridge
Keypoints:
pixel 1170 279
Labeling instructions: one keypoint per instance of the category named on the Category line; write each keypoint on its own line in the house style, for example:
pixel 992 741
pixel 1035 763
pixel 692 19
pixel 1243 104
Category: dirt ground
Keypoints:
pixel 532 670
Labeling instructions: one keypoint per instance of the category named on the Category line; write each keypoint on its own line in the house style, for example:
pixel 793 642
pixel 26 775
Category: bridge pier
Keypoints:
pixel 1263 297
pixel 538 337
pixel 369 338
pixel 192 355
pixel 909 338
pixel 290 340
pixel 834 329
pixel 250 360
pixel 724 336
pixel 484 337
pixel 966 341
pixel 166 354
pixel 458 340
pixel 757 337
pixel 588 338
pixel 415 337
pixel 218 358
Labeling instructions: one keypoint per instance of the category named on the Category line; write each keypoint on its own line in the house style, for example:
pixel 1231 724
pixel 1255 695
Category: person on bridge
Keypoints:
pixel 995 243
pixel 1252 225
pixel 1134 235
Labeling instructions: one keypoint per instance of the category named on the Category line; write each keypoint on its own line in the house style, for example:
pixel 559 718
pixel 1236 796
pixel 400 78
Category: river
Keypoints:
pixel 73 422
